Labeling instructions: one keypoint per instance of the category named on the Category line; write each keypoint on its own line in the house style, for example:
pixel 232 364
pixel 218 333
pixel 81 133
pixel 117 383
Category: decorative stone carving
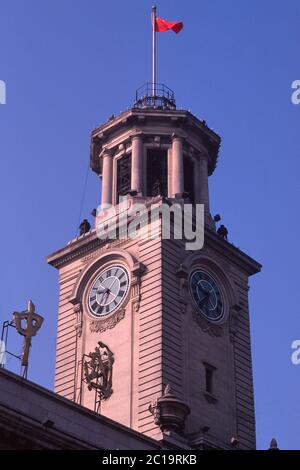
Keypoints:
pixel 103 324
pixel 97 370
pixel 77 309
pixel 169 412
pixel 135 293
pixel 157 139
pixel 136 286
pixel 207 326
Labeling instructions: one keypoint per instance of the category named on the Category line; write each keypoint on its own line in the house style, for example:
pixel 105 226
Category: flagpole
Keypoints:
pixel 153 51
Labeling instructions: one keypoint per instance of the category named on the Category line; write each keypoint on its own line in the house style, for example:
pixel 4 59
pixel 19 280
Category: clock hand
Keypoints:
pixel 105 292
pixel 206 297
pixel 102 292
pixel 102 288
pixel 108 294
pixel 210 304
pixel 112 283
pixel 203 298
pixel 109 291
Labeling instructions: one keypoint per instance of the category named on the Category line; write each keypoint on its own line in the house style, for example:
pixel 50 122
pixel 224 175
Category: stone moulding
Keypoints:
pixel 99 325
pixel 206 326
pixel 135 286
pixel 103 324
pixel 77 309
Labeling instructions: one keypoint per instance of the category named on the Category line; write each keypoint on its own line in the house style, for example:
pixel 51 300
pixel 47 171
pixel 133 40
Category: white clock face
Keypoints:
pixel 108 291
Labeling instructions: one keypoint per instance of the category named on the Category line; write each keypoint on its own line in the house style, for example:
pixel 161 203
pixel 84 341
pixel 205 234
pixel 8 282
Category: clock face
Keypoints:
pixel 206 295
pixel 108 290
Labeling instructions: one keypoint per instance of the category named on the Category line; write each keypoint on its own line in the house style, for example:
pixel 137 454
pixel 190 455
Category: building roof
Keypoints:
pixel 32 417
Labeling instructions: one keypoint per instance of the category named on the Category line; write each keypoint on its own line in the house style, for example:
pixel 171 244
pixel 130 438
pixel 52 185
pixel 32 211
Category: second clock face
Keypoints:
pixel 108 291
pixel 206 295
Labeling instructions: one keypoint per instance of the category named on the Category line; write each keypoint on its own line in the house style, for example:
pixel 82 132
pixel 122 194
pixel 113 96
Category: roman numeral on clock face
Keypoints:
pixel 98 309
pixel 108 291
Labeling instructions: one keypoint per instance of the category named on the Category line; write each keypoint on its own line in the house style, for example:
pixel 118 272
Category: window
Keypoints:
pixel 123 175
pixel 188 178
pixel 209 389
pixel 157 172
pixel 208 380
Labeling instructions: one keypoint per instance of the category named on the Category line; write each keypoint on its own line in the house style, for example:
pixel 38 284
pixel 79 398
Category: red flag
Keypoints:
pixel 163 25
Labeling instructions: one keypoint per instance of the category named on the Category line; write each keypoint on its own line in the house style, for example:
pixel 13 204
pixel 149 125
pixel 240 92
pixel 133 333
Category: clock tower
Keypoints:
pixel 151 334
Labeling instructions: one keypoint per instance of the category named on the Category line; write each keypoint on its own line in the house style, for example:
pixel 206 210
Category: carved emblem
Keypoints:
pixel 97 370
pixel 155 411
pixel 103 324
pixel 27 324
pixel 206 326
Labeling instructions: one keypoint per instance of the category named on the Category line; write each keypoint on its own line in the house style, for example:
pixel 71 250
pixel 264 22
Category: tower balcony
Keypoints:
pixel 154 96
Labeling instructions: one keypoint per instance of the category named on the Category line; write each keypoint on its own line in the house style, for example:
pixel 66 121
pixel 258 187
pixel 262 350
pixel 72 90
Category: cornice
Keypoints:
pixel 248 264
pixel 133 121
pixel 77 248
pixel 82 246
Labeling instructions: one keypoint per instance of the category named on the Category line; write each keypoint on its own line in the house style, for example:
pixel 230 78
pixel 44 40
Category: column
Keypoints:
pixel 107 183
pixel 197 181
pixel 170 173
pixel 137 163
pixel 202 186
pixel 177 160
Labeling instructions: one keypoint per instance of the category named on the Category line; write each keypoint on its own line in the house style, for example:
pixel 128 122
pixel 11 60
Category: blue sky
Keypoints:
pixel 68 65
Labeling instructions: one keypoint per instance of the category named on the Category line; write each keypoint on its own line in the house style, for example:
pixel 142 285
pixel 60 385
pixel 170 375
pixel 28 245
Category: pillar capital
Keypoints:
pixel 203 155
pixel 106 152
pixel 176 136
pixel 137 135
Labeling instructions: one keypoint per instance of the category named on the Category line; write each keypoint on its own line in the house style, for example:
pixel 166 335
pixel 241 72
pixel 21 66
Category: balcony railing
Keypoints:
pixel 155 97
